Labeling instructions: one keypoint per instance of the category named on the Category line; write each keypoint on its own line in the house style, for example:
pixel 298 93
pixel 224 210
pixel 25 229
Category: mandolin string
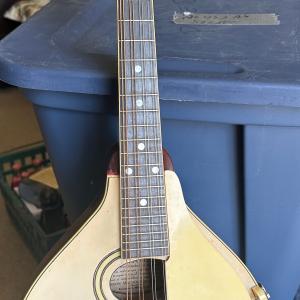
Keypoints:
pixel 149 188
pixel 134 119
pixel 135 135
pixel 121 117
pixel 140 37
pixel 145 128
pixel 159 153
pixel 153 271
pixel 132 87
pixel 128 193
pixel 122 91
pixel 155 147
pixel 128 86
pixel 152 56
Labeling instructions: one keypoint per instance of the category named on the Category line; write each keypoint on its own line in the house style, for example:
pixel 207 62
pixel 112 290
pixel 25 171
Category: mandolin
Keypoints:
pixel 142 241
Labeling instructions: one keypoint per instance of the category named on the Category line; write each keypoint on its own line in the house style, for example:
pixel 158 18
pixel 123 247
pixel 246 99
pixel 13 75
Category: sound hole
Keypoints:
pixel 139 279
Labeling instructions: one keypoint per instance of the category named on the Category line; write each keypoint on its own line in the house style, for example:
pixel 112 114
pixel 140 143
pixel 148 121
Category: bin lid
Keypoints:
pixel 71 46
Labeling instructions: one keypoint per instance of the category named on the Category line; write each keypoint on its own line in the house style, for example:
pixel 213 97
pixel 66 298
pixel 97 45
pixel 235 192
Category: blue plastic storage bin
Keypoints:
pixel 230 101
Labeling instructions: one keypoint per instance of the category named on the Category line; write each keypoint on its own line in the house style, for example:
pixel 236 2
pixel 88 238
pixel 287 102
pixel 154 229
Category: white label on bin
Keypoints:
pixel 190 18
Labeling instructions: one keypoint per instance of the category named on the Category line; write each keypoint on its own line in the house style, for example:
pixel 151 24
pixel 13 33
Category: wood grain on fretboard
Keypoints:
pixel 142 186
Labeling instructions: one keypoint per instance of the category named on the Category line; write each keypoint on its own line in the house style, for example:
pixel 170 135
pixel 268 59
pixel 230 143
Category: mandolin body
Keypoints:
pixel 200 266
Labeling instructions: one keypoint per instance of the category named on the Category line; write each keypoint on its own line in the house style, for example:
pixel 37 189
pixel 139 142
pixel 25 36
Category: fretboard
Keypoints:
pixel 143 205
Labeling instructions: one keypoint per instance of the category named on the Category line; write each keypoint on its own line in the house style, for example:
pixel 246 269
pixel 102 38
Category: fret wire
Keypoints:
pixel 145 78
pixel 152 248
pixel 141 139
pixel 144 233
pixel 144 152
pixel 142 187
pixel 141 176
pixel 146 241
pixel 143 207
pixel 144 225
pixel 138 198
pixel 154 216
pixel 141 165
pixel 133 40
pixel 138 110
pixel 142 125
pixel 136 20
pixel 147 207
pixel 138 95
pixel 138 59
pixel 147 197
pixel 138 78
pixel 139 125
pixel 141 155
pixel 140 152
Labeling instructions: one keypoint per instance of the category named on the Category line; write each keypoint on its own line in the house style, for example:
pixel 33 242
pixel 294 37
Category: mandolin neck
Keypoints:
pixel 142 188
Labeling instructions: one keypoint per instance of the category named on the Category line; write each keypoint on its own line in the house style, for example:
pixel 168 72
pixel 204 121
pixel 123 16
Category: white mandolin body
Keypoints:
pixel 200 266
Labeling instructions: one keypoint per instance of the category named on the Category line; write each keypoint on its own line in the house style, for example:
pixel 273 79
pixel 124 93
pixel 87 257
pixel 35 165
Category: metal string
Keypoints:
pixel 124 143
pixel 156 121
pixel 143 108
pixel 125 113
pixel 135 135
pixel 148 176
pixel 159 153
pixel 132 93
pixel 153 271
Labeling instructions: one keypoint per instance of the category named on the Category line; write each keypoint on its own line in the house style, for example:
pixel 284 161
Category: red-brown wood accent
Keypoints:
pixel 168 163
pixel 113 166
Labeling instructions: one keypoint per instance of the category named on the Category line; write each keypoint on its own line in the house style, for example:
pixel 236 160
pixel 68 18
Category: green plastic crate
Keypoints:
pixel 37 240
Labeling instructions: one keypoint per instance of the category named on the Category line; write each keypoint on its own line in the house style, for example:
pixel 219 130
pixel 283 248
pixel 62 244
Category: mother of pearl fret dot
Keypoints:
pixel 128 171
pixel 155 170
pixel 138 69
pixel 139 102
pixel 143 202
pixel 141 146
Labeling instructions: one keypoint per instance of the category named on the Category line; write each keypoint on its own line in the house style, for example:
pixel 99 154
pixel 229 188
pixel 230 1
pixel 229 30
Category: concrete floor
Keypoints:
pixel 18 127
